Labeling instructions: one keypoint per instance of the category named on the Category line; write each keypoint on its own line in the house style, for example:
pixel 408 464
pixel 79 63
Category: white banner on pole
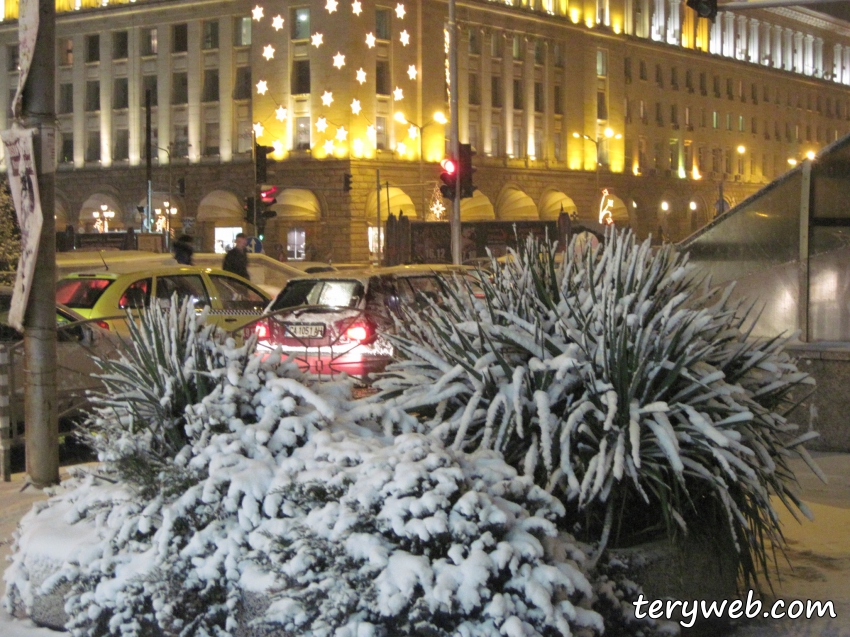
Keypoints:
pixel 21 173
pixel 27 32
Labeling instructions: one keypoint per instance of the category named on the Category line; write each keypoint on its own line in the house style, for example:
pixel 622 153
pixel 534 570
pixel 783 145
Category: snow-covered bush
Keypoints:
pixel 619 380
pixel 281 506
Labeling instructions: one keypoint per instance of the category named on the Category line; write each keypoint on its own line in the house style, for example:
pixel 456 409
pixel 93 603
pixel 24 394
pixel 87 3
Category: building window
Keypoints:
pixel 302 133
pixel 539 52
pixel 296 241
pixel 556 145
pixel 516 47
pixel 601 105
pixel 727 156
pixel 496 45
pixel 381 133
pixel 496 91
pixel 642 70
pixel 383 82
pixel 558 55
pixel 66 52
pixel 66 98
pixel 728 121
pixel 688 123
pixel 659 76
pixel 674 116
pixel 689 80
pixel 559 100
pixel 180 143
pixel 754 126
pixel 473 137
pixel 496 141
pixel 539 98
pixel 93 145
pixel 382 24
pixel 300 24
pixel 716 86
pixel 209 39
pixel 212 135
pixel 474 42
pixel 659 116
pixel 121 148
pixel 149 84
pixel 93 96
pixel 120 93
pixel 674 154
pixel 519 150
pixel 179 88
pixel 180 38
pixel 120 45
pixel 93 48
pixel 601 63
pixel 538 143
pixel 474 90
pixel 755 94
pixel 627 70
pixel 242 32
pixel 702 84
pixel 242 85
pixel 66 151
pixel 518 101
pixel 729 90
pixel 674 78
pixel 210 93
pixel 740 123
pixel 148 43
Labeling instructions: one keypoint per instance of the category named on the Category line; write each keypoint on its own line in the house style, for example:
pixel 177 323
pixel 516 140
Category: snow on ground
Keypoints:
pixel 11 627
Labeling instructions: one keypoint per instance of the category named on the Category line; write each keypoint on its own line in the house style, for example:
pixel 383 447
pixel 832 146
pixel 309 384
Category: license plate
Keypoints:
pixel 304 331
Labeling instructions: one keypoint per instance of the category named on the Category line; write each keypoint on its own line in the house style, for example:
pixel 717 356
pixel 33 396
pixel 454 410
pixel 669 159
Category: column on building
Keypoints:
pixel 819 69
pixel 788 49
pixel 106 79
pixel 845 72
pixel 80 117
pixel 778 47
pixel 765 50
pixel 642 17
pixel 195 71
pixel 658 21
pixel 809 55
pixel 753 49
pixel 729 34
pixel 549 129
pixel 135 111
pixel 463 71
pixel 716 38
pixel 529 77
pixel 508 94
pixel 225 90
pixel 164 84
pixel 485 138
pixel 674 23
pixel 741 38
pixel 798 52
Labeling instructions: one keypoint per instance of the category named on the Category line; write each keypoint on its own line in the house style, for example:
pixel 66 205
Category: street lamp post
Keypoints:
pixel 170 194
pixel 439 118
pixel 608 133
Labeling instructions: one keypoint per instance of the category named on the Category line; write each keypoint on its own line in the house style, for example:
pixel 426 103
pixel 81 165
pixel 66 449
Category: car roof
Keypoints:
pixel 364 274
pixel 164 270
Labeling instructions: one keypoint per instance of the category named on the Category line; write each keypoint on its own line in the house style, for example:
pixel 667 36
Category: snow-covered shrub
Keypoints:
pixel 619 380
pixel 283 505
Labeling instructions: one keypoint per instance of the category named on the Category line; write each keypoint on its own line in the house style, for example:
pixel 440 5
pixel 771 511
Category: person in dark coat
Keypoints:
pixel 183 250
pixel 236 259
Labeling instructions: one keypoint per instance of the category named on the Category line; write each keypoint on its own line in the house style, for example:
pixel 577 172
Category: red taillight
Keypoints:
pixel 102 324
pixel 261 329
pixel 358 333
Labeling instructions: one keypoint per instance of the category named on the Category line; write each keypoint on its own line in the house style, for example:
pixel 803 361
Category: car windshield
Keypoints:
pixel 81 293
pixel 330 292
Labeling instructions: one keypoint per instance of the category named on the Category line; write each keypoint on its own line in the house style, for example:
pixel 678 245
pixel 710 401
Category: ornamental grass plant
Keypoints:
pixel 620 380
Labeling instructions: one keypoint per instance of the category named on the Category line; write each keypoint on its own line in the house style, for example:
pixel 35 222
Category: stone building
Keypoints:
pixel 674 117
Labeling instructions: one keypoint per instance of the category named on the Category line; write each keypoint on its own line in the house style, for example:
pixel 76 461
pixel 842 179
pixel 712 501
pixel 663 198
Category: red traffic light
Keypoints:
pixel 448 166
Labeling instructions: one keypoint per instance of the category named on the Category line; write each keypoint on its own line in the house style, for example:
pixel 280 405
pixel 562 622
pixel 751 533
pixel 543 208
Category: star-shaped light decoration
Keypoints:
pixel 361 75
pixel 398 94
pixel 258 130
pixel 257 12
pixel 281 113
pixel 277 23
pixel 327 98
pixel 412 132
pixel 399 11
pixel 412 72
pixel 317 40
pixel 401 148
pixel 404 36
pixel 356 8
pixel 358 147
pixel 371 132
pixel 321 124
pixel 370 40
pixel 341 133
pixel 329 147
pixel 278 146
pixel 355 107
pixel 262 87
pixel 268 52
pixel 339 60
pixel 331 5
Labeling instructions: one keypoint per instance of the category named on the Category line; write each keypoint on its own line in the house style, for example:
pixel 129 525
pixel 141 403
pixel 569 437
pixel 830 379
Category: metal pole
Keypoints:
pixel 148 159
pixel 41 411
pixel 378 232
pixel 457 256
pixel 5 420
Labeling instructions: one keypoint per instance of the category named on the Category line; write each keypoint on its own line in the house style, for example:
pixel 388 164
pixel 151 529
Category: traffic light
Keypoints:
pixel 464 166
pixel 346 182
pixel 704 8
pixel 261 162
pixel 449 178
pixel 249 209
pixel 181 186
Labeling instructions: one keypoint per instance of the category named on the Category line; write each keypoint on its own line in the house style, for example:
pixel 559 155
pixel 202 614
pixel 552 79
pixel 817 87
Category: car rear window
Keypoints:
pixel 81 293
pixel 329 292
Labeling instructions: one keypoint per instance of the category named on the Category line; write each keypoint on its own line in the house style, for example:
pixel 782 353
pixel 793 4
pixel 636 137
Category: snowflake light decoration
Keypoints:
pixel 355 107
pixel 341 134
pixel 258 129
pixel 277 23
pixel 316 40
pixel 398 94
pixel 412 72
pixel 327 98
pixel 437 208
pixel 404 36
pixel 356 7
pixel 281 113
pixel 321 124
pixel 268 52
pixel 262 87
pixel 257 13
pixel 339 60
pixel 399 11
pixel 361 75
pixel 331 5
pixel 370 40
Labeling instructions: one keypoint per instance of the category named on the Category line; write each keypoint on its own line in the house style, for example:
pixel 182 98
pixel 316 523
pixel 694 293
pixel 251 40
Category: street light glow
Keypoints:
pixel 810 154
pixel 400 118
pixel 440 118
pixel 665 206
pixel 741 150
pixel 693 205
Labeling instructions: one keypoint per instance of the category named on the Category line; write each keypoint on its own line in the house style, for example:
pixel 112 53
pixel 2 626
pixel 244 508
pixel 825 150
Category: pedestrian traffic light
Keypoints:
pixel 249 209
pixel 261 162
pixel 704 8
pixel 465 170
pixel 346 182
pixel 449 178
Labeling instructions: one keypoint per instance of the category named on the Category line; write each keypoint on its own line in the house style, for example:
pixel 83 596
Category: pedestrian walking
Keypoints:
pixel 183 250
pixel 236 259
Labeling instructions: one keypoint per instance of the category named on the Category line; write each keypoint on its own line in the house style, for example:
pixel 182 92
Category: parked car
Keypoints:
pixel 232 301
pixel 78 343
pixel 336 322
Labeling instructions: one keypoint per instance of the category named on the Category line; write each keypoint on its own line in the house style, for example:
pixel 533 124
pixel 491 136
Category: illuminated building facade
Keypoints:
pixel 336 87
